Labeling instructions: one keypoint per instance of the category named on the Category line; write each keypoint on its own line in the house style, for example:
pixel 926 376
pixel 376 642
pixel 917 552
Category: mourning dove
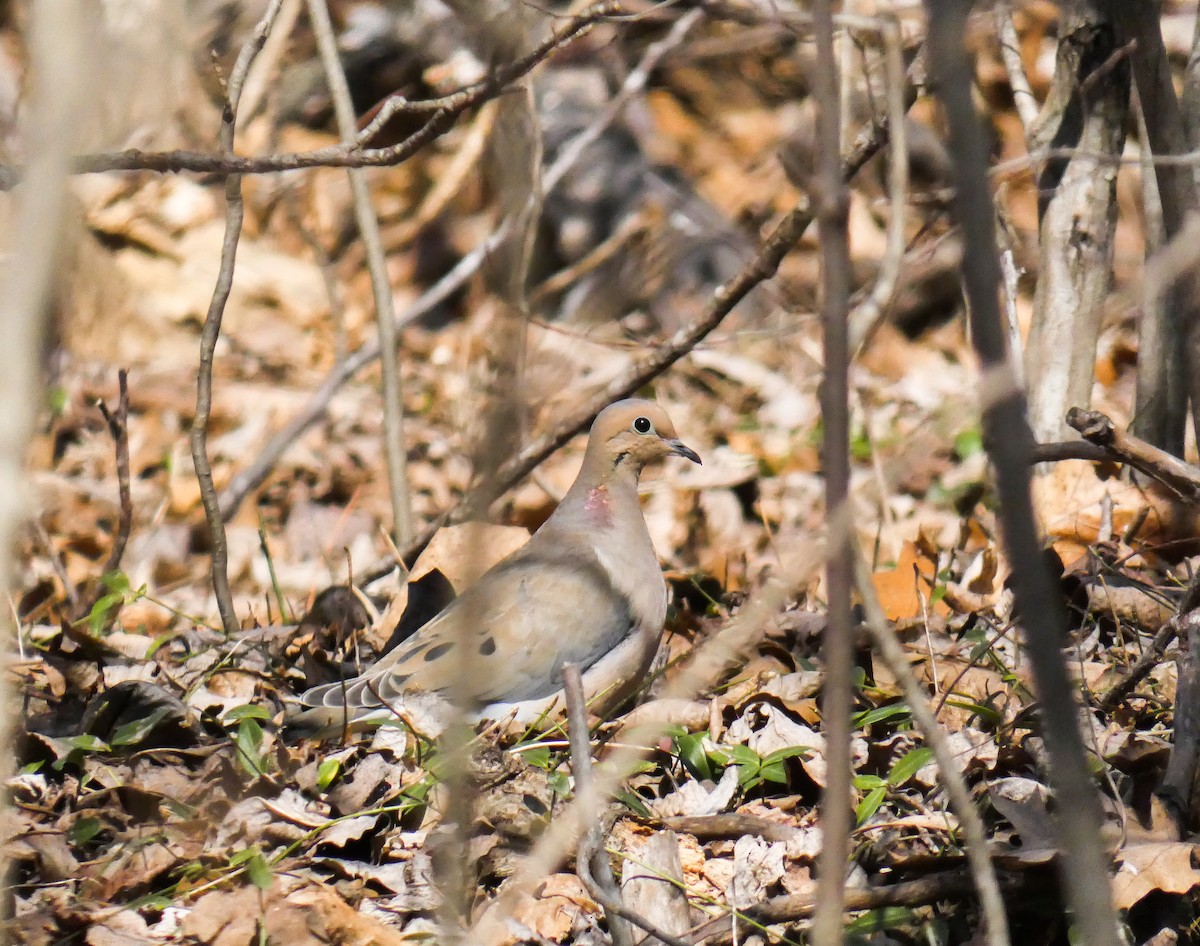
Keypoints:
pixel 585 589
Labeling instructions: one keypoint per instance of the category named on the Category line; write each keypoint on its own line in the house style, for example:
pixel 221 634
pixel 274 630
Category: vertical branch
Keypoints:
pixel 949 766
pixel 118 428
pixel 1008 440
pixel 57 55
pixel 592 861
pixel 502 33
pixel 867 313
pixel 1010 54
pixel 1169 339
pixel 832 205
pixel 1085 110
pixel 385 309
pixel 234 213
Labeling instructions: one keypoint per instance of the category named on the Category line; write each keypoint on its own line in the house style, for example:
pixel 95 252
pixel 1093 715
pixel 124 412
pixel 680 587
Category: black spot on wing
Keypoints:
pixel 488 647
pixel 437 651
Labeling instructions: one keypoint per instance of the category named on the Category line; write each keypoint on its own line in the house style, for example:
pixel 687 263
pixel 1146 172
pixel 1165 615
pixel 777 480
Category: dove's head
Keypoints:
pixel 639 431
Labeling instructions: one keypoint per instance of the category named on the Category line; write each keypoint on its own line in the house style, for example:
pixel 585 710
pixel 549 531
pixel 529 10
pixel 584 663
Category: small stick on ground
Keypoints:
pixel 908 893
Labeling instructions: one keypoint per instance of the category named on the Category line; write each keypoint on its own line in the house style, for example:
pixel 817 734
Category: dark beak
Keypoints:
pixel 680 449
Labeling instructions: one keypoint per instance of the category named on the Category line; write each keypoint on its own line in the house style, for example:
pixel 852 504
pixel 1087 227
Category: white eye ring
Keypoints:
pixel 642 425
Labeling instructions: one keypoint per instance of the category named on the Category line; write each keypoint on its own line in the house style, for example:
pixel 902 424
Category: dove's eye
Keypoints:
pixel 642 425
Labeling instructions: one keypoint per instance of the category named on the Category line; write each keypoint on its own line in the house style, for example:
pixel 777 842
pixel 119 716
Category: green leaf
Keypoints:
pixel 787 752
pixel 773 772
pixel 57 399
pixel 909 764
pixel 559 783
pixel 248 711
pixel 240 857
pixel 249 743
pixel 691 753
pixel 327 771
pixel 878 921
pixel 84 830
pixel 986 713
pixel 866 783
pixel 880 713
pixel 158 642
pixel 538 756
pixel 259 871
pixel 98 616
pixel 31 768
pixel 116 581
pixel 870 804
pixel 634 803
pixel 968 443
pixel 86 742
pixel 134 732
pixel 152 901
pixel 742 755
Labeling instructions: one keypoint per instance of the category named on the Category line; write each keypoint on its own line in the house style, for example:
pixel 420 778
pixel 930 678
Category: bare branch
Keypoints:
pixel 444 112
pixel 234 213
pixel 118 427
pixel 1008 440
pixel 837 646
pixel 868 312
pixel 591 860
pixel 1178 475
pixel 949 766
pixel 1010 54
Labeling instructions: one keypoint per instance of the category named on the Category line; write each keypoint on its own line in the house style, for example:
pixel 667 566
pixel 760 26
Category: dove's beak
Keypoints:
pixel 680 449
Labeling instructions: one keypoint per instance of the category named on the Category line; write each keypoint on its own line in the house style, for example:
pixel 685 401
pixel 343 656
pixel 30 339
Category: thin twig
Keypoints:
pixel 837 647
pixel 1008 439
pixel 867 313
pixel 1010 54
pixel 443 111
pixel 381 289
pixel 118 427
pixel 1147 661
pixel 1098 429
pixel 234 213
pixel 56 45
pixel 591 860
pixel 974 834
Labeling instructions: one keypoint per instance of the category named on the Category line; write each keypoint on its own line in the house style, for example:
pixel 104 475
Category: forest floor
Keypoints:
pixel 157 800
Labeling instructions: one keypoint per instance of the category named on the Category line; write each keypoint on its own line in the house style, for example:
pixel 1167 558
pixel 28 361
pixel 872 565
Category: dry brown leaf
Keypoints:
pixel 560 907
pixel 903 589
pixel 1169 866
pixel 461 553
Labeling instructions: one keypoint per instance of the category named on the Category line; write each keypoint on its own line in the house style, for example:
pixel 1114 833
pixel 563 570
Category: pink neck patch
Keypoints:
pixel 598 506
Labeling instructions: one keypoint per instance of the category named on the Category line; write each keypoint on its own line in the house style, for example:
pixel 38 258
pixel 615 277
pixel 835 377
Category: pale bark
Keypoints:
pixel 1086 110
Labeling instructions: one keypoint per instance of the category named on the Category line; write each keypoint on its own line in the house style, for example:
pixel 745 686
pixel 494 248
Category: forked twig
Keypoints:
pixel 234 214
pixel 118 428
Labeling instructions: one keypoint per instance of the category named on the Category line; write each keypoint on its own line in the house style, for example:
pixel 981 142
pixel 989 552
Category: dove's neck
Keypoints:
pixel 604 495
pixel 602 510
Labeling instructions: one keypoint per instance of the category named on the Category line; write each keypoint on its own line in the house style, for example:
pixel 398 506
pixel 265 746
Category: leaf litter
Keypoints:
pixel 156 800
